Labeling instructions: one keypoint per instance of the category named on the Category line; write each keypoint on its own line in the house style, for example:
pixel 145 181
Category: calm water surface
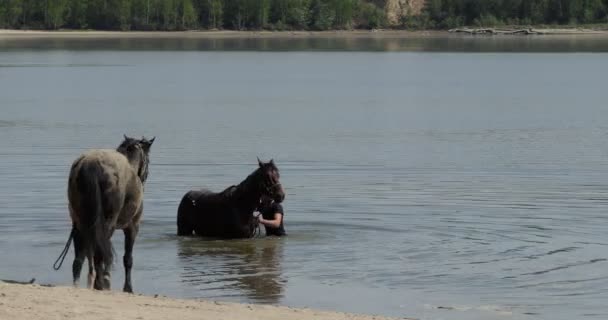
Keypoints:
pixel 464 183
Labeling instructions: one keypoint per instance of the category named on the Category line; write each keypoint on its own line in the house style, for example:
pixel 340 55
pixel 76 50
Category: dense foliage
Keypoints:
pixel 288 14
pixel 190 14
pixel 452 13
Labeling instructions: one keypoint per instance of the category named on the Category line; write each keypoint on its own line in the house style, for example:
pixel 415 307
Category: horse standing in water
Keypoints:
pixel 105 192
pixel 229 214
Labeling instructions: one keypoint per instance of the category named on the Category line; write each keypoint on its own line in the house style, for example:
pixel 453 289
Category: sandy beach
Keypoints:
pixel 29 302
pixel 93 34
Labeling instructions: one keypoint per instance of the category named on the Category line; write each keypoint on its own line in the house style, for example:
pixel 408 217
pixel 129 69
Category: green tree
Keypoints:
pixel 216 9
pixel 322 15
pixel 10 13
pixel 77 13
pixel 369 16
pixel 343 10
pixel 56 13
pixel 187 14
pixel 122 14
pixel 287 14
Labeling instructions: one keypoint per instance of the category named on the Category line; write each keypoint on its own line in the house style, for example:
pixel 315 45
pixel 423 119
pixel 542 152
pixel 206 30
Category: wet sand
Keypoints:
pixel 30 302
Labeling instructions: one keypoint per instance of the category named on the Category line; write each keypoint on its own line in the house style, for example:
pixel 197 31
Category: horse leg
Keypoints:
pixel 98 262
pixel 102 273
pixel 107 282
pixel 91 276
pixel 79 255
pixel 130 234
pixel 184 212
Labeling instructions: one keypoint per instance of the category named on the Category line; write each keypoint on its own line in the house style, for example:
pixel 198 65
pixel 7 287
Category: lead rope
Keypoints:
pixel 59 262
pixel 256 226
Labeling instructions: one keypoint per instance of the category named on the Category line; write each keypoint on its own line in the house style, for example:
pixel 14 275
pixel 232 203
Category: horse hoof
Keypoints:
pixel 107 283
pixel 128 289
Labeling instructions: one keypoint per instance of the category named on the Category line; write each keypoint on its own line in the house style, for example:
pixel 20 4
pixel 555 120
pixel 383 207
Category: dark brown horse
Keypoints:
pixel 105 193
pixel 229 214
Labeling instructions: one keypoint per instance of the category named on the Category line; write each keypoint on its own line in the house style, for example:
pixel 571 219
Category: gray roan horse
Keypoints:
pixel 105 193
pixel 229 214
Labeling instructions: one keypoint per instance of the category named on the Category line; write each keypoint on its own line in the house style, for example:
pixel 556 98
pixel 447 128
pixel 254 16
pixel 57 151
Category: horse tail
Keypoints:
pixel 96 233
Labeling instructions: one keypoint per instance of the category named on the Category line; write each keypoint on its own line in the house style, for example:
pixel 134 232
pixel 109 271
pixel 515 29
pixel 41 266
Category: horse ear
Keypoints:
pixel 272 162
pixel 260 163
pixel 146 144
pixel 143 139
pixel 124 135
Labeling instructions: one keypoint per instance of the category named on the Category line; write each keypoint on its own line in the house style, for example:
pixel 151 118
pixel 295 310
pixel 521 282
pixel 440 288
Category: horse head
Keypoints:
pixel 137 152
pixel 269 176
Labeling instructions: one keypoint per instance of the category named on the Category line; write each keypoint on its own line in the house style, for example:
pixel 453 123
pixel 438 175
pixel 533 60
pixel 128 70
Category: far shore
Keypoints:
pixel 219 34
pixel 34 302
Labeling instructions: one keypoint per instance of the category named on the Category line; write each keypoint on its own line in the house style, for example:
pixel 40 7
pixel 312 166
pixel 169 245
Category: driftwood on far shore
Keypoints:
pixel 496 31
pixel 525 31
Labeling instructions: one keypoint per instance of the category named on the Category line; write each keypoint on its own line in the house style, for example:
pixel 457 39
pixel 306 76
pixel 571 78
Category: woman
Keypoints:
pixel 271 217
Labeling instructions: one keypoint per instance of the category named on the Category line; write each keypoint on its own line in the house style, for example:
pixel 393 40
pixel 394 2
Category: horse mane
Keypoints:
pixel 246 184
pixel 228 191
pixel 248 188
pixel 133 149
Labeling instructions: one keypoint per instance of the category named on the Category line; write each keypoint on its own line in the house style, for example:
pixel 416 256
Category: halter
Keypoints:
pixel 269 188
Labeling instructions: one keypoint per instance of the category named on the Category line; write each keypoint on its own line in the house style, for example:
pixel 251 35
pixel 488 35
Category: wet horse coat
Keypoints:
pixel 228 214
pixel 105 192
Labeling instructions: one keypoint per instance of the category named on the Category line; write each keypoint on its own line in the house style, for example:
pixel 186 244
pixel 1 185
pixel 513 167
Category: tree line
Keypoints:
pixel 288 14
pixel 190 14
pixel 453 13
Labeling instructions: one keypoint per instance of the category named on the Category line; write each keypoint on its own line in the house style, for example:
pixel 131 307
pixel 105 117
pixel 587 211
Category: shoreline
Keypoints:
pixel 32 302
pixel 6 34
pixel 214 34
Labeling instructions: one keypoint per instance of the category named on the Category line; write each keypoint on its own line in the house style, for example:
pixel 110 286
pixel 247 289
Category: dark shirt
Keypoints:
pixel 268 213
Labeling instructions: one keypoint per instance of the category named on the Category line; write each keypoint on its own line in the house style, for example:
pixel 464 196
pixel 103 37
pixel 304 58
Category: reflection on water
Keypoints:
pixel 251 267
pixel 442 43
